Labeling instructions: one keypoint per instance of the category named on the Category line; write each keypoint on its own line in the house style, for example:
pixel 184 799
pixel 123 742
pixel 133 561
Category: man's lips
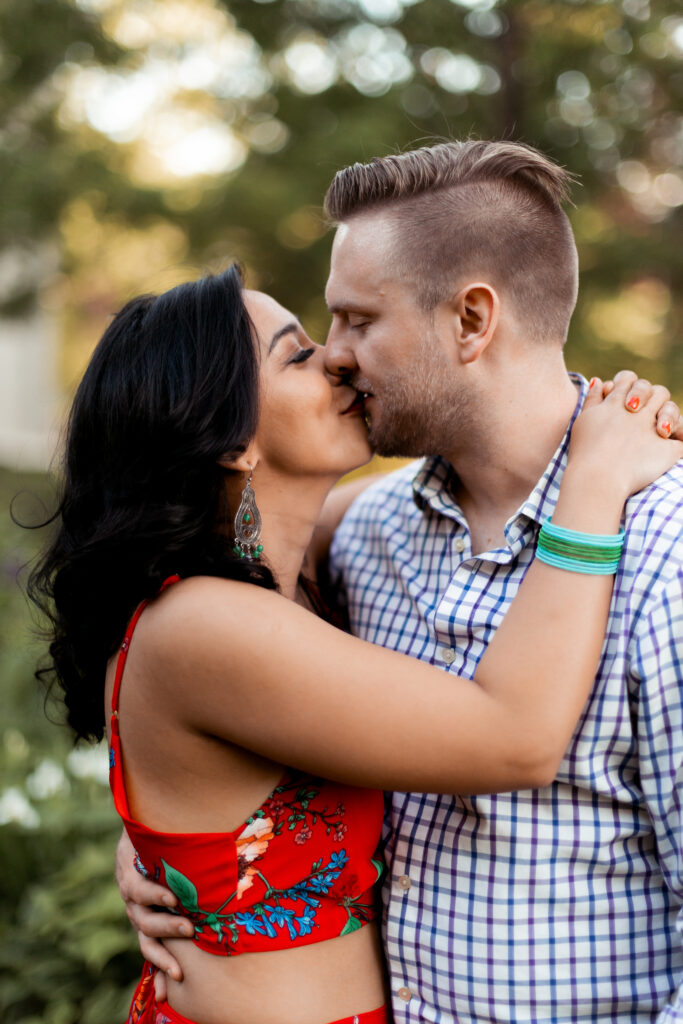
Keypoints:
pixel 358 403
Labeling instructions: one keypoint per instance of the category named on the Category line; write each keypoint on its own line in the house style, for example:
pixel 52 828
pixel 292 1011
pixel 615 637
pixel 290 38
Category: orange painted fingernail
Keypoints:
pixel 633 403
pixel 665 426
pixel 593 381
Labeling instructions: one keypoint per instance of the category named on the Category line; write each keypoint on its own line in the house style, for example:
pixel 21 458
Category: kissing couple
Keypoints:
pixel 493 634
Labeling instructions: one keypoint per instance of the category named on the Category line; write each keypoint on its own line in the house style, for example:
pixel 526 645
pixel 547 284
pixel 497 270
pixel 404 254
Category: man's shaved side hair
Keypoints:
pixel 473 211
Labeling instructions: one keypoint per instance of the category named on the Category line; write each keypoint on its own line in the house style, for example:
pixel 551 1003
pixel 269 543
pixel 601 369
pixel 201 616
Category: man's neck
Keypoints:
pixel 524 425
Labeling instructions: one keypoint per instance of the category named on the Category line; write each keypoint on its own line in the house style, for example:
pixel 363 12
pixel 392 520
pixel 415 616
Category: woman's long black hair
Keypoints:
pixel 172 388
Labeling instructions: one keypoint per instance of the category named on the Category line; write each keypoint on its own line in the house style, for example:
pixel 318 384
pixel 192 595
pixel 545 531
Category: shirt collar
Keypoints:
pixel 435 482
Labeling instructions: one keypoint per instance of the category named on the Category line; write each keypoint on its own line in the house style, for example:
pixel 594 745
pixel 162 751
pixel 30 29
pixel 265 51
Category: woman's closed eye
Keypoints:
pixel 302 355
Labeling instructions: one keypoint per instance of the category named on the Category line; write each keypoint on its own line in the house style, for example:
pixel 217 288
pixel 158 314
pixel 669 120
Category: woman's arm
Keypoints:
pixel 270 678
pixel 669 424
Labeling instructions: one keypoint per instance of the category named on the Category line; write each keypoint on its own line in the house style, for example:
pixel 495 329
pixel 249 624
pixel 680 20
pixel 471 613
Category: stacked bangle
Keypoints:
pixel 593 553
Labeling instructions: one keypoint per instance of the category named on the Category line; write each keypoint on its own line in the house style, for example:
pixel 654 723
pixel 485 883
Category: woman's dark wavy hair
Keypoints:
pixel 172 388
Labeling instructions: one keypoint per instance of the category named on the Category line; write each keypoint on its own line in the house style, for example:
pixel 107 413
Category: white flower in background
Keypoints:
pixel 47 780
pixel 90 763
pixel 15 807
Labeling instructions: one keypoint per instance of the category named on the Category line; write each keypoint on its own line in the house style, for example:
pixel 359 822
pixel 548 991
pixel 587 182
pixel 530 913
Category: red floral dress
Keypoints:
pixel 301 869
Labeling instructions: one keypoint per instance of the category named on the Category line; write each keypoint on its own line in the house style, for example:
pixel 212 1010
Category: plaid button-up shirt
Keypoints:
pixel 553 905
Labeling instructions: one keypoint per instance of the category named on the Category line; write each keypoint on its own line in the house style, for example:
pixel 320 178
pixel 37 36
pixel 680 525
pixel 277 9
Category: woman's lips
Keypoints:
pixel 357 406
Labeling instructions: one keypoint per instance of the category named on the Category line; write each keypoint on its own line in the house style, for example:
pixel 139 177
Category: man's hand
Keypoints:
pixel 141 897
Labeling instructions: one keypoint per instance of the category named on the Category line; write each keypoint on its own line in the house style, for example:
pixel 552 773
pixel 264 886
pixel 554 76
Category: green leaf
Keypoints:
pixel 379 868
pixel 352 925
pixel 181 887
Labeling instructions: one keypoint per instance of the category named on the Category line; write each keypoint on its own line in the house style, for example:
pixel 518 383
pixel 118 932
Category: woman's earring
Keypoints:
pixel 248 524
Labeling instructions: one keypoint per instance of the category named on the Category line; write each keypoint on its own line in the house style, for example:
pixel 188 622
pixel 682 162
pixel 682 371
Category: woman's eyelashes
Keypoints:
pixel 302 355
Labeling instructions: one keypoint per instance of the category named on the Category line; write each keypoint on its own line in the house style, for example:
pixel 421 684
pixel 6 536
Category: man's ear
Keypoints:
pixel 477 309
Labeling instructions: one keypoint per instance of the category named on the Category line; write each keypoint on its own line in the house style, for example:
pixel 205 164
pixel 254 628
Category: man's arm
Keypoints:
pixel 658 664
pixel 338 501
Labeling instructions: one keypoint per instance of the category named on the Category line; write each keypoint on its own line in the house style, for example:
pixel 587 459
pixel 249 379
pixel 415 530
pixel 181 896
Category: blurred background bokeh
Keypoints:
pixel 142 142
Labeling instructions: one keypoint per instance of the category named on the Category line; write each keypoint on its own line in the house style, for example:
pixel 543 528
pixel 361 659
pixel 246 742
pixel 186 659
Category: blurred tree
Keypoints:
pixel 596 85
pixel 227 118
pixel 148 138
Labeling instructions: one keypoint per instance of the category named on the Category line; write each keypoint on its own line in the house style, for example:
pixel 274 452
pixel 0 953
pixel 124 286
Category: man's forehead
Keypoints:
pixel 361 257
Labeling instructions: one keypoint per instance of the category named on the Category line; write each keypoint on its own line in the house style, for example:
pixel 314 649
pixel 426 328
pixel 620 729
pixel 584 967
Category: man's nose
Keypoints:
pixel 339 358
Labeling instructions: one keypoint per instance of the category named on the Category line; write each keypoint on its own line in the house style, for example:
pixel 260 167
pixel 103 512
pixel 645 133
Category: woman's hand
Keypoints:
pixel 141 897
pixel 669 421
pixel 623 439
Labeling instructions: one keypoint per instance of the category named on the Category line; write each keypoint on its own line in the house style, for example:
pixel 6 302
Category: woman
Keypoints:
pixel 204 415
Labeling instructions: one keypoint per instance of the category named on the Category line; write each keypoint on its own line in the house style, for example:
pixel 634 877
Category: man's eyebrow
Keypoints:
pixel 289 328
pixel 344 306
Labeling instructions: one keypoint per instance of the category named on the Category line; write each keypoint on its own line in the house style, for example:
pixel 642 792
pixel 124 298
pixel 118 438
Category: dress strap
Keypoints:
pixel 125 644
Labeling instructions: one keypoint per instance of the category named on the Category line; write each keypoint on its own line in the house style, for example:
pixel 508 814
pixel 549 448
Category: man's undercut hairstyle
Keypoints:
pixel 469 211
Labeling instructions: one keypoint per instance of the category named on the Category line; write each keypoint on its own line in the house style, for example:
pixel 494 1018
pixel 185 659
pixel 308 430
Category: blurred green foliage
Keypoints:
pixel 597 85
pixel 305 87
pixel 67 953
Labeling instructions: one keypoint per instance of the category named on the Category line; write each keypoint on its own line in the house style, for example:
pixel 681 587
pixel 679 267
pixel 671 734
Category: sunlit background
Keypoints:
pixel 142 142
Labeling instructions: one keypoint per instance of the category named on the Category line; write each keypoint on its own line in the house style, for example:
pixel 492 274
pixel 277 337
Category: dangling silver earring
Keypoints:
pixel 248 524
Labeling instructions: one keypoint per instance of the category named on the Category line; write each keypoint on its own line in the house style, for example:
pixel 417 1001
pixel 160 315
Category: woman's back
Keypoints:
pixel 292 869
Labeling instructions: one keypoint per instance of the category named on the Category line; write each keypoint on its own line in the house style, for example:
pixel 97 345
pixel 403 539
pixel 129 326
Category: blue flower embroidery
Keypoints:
pixel 267 917
pixel 112 758
pixel 306 921
pixel 140 867
pixel 252 924
pixel 323 883
pixel 283 918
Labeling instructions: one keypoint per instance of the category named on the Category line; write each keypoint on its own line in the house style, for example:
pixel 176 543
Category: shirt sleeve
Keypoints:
pixel 658 669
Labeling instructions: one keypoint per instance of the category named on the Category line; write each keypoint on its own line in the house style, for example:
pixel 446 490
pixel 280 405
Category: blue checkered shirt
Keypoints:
pixel 554 905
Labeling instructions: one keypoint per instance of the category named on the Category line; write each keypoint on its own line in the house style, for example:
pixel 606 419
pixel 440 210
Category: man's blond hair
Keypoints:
pixel 468 209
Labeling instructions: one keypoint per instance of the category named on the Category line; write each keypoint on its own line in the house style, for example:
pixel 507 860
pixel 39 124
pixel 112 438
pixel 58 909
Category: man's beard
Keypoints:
pixel 423 411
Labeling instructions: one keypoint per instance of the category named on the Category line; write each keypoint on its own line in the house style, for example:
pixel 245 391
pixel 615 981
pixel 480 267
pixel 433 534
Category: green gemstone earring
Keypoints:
pixel 248 524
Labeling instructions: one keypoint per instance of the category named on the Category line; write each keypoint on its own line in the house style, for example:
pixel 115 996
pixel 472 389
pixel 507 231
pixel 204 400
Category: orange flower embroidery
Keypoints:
pixel 251 845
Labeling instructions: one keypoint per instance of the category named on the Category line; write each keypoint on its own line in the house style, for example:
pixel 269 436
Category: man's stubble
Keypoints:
pixel 425 410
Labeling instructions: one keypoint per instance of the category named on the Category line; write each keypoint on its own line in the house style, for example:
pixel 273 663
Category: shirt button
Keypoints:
pixel 405 994
pixel 404 882
pixel 459 544
pixel 448 655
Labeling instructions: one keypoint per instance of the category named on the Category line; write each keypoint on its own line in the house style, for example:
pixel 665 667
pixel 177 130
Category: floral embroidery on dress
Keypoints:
pixel 269 915
pixel 144 994
pixel 251 845
pixel 142 870
pixel 290 808
pixel 297 799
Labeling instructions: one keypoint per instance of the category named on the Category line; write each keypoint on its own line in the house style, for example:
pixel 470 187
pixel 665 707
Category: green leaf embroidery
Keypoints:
pixel 352 925
pixel 379 868
pixel 181 887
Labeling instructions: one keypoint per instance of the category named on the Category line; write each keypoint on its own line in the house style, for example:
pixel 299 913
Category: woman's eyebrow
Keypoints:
pixel 287 329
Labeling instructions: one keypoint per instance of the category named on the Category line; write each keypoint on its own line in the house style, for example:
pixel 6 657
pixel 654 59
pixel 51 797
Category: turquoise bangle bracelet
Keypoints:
pixel 575 536
pixel 563 547
pixel 574 565
pixel 591 553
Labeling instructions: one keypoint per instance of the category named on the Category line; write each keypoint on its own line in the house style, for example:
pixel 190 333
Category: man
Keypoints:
pixel 452 283
pixel 453 279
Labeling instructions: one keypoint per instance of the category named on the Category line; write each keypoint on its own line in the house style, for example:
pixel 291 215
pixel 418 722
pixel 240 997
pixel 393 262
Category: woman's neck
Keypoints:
pixel 289 512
